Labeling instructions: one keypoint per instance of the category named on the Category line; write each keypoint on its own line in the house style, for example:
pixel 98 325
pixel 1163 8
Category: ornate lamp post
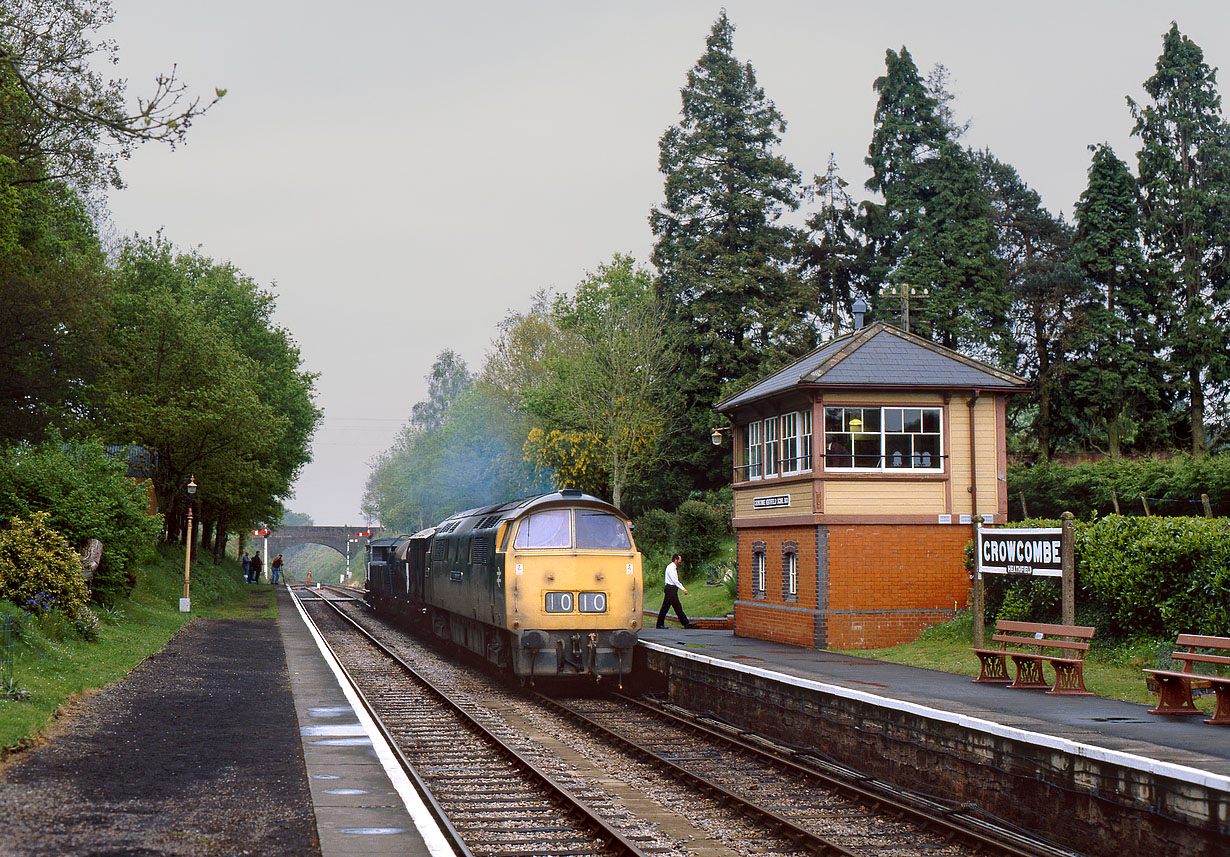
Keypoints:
pixel 185 603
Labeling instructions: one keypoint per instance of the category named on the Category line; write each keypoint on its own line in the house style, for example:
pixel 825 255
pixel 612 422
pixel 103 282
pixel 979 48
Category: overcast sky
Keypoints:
pixel 402 175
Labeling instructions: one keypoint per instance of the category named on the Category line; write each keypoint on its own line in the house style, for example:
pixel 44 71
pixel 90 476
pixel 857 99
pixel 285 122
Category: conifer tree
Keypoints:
pixel 833 266
pixel 1117 378
pixel 724 260
pixel 1184 175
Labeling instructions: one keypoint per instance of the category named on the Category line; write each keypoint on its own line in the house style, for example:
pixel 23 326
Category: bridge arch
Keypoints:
pixel 336 538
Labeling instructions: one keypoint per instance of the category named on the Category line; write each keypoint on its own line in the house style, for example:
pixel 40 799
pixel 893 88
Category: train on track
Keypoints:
pixel 547 586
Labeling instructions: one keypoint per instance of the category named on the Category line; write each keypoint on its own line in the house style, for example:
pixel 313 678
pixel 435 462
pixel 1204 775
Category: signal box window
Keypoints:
pixel 546 529
pixel 883 439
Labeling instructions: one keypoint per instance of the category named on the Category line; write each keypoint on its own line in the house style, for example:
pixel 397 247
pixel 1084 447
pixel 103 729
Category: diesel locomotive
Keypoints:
pixel 545 586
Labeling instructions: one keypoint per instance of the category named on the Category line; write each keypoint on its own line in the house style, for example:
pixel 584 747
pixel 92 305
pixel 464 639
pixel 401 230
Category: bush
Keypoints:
pixel 1174 487
pixel 38 569
pixel 1155 577
pixel 655 531
pixel 701 530
pixel 86 495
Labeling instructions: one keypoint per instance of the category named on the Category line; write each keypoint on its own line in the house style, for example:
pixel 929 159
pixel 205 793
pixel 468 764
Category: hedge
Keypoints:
pixel 1157 577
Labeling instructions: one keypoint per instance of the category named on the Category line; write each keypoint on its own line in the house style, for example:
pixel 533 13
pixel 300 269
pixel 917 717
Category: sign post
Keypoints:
pixel 1027 552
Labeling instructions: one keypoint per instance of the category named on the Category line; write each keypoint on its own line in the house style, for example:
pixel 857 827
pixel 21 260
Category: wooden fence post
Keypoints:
pixel 1114 501
pixel 1208 508
pixel 1145 501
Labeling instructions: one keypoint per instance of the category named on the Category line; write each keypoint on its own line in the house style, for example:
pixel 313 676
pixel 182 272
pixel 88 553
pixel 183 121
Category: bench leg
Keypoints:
pixel 1174 696
pixel 1028 673
pixel 1221 717
pixel 993 668
pixel 1069 680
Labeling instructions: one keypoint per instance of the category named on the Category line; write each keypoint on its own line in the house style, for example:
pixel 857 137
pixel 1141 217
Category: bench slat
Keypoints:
pixel 1200 656
pixel 1203 641
pixel 1038 628
pixel 1044 643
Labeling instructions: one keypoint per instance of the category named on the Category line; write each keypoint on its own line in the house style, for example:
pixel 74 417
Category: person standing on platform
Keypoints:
pixel 275 569
pixel 254 568
pixel 670 594
pixel 246 563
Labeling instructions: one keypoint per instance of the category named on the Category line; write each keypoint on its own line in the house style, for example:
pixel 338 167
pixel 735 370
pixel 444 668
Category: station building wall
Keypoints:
pixel 859 585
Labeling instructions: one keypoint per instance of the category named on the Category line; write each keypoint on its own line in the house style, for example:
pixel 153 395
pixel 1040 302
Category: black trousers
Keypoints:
pixel 670 598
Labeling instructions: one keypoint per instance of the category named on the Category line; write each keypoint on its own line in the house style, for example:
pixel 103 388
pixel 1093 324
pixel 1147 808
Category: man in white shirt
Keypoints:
pixel 670 593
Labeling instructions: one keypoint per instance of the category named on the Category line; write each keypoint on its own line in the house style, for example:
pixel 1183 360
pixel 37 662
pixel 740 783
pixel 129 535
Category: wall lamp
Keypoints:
pixel 716 437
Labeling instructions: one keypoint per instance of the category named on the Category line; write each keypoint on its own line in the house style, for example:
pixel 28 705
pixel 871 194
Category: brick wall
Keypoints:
pixel 860 586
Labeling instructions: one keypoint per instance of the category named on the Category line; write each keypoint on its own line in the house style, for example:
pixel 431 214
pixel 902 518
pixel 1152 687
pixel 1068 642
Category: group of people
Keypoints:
pixel 253 565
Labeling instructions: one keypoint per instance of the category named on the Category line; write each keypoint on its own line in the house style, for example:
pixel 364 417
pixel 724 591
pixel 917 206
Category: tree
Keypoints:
pixel 448 379
pixel 195 373
pixel 61 118
pixel 1117 375
pixel 1045 290
pixel 1184 175
pixel 907 131
pixel 612 381
pixel 832 265
pixel 723 258
pixel 54 306
pixel 934 229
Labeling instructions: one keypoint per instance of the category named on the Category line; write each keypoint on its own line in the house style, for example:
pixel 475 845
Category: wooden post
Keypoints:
pixel 979 602
pixel 1145 501
pixel 1024 511
pixel 1068 565
pixel 1208 508
pixel 1114 501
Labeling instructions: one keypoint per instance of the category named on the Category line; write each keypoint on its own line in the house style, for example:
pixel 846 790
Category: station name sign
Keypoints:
pixel 1031 552
pixel 770 502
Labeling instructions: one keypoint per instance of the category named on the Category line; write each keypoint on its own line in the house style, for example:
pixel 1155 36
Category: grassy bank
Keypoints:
pixel 52 662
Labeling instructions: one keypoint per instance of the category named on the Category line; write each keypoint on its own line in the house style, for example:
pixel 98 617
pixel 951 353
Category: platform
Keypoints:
pixel 364 804
pixel 1014 751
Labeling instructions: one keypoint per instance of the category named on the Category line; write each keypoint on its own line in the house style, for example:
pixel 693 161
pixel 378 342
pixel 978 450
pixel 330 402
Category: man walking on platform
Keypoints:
pixel 670 594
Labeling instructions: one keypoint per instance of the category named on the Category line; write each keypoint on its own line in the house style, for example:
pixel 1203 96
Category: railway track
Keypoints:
pixel 792 801
pixel 492 798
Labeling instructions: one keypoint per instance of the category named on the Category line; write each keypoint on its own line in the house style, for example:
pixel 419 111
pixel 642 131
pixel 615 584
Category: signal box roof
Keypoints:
pixel 879 356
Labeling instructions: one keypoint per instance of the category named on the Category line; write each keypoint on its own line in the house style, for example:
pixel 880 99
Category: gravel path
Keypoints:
pixel 195 752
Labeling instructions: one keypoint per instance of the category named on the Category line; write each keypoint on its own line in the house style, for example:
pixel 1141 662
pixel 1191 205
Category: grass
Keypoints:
pixel 52 663
pixel 1111 669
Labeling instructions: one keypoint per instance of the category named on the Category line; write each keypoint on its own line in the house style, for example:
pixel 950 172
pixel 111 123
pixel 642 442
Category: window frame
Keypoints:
pixel 850 440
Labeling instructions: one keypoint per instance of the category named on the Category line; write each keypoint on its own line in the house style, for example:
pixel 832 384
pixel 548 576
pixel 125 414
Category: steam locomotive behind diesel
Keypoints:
pixel 546 586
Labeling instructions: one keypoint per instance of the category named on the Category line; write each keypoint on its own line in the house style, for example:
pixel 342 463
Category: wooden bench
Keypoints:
pixel 1175 688
pixel 1071 640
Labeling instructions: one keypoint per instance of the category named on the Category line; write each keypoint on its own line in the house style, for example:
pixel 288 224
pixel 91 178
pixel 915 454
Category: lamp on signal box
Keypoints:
pixel 185 603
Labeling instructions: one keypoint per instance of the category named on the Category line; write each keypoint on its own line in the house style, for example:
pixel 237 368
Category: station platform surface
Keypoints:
pixel 1178 746
pixel 364 804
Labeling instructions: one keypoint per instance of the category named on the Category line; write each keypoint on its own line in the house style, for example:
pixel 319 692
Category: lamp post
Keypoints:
pixel 185 603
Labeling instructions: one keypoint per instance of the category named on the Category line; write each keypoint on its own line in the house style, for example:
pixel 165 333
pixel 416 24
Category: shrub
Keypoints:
pixel 38 569
pixel 701 529
pixel 86 495
pixel 655 531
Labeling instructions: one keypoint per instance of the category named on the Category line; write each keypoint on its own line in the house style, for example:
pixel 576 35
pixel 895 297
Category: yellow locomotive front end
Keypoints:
pixel 573 594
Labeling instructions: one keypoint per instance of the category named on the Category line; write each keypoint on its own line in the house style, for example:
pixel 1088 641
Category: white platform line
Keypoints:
pixel 423 820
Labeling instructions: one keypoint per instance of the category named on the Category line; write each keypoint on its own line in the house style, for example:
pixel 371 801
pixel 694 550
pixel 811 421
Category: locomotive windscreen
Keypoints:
pixel 546 529
pixel 600 531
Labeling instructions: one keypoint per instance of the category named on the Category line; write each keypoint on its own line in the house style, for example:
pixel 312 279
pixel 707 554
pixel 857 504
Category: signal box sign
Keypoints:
pixel 1031 552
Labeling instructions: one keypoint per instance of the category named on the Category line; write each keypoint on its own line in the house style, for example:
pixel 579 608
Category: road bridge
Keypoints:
pixel 337 538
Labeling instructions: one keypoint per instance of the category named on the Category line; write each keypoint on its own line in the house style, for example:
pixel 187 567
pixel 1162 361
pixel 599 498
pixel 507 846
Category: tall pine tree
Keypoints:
pixel 1117 379
pixel 833 266
pixel 1184 175
pixel 723 257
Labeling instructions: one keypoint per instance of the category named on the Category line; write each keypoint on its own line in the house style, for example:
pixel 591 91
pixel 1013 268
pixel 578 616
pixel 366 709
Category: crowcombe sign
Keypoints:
pixel 1031 552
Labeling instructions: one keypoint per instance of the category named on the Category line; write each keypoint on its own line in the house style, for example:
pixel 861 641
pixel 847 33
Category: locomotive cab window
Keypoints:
pixel 550 528
pixel 601 531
